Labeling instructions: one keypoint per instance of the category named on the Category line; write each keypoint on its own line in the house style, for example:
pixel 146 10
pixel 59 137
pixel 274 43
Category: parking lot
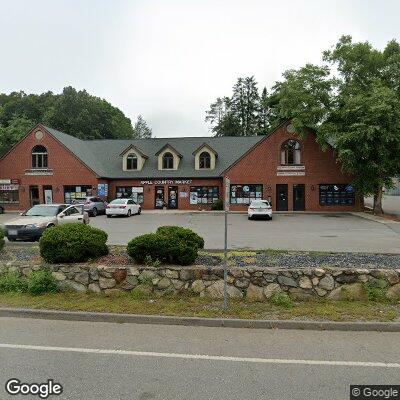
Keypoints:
pixel 317 232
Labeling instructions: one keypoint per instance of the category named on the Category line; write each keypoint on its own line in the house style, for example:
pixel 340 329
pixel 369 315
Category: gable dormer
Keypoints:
pixel 205 157
pixel 168 158
pixel 133 159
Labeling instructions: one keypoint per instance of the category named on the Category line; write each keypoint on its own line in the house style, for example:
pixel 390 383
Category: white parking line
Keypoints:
pixel 200 356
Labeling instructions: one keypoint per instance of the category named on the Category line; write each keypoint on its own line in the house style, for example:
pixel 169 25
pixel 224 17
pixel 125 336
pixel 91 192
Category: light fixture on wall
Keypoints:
pixel 312 187
pixel 269 187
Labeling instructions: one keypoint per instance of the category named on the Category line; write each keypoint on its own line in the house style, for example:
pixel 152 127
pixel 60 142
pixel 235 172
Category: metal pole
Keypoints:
pixel 226 298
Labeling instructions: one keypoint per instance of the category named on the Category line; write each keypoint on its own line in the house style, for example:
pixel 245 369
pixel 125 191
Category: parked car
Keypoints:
pixel 259 209
pixel 126 207
pixel 93 205
pixel 32 223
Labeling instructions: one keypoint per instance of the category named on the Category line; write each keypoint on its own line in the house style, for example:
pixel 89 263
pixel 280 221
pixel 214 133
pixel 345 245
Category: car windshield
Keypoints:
pixel 119 201
pixel 259 204
pixel 42 211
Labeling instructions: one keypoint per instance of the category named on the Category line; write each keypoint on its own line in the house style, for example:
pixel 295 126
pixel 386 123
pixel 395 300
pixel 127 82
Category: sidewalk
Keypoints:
pixel 391 204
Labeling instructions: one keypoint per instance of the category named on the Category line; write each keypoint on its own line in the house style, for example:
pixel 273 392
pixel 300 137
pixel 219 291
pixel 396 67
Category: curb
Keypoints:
pixel 195 321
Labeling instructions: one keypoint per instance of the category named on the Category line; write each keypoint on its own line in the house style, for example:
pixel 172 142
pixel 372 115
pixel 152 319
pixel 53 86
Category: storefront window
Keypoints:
pixel 244 194
pixel 135 193
pixel 77 194
pixel 336 195
pixel 9 194
pixel 204 194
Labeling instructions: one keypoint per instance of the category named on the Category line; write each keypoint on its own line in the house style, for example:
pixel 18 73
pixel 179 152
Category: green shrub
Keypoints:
pixel 12 282
pixel 41 281
pixel 282 299
pixel 170 244
pixel 72 243
pixel 218 205
pixel 376 290
pixel 2 242
pixel 182 233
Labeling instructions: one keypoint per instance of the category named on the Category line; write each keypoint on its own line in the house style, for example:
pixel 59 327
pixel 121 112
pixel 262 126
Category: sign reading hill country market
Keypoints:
pixel 167 182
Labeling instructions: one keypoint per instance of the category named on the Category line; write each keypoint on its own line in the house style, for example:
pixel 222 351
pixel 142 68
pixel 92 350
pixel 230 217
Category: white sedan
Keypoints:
pixel 259 209
pixel 126 207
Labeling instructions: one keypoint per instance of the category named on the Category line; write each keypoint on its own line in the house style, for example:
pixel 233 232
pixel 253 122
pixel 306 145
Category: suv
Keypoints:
pixel 93 206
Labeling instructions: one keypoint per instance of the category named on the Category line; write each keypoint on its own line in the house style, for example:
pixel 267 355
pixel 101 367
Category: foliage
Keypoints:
pixel 218 205
pixel 352 102
pixel 2 242
pixel 170 244
pixel 72 243
pixel 12 282
pixel 141 130
pixel 74 112
pixel 243 114
pixel 41 281
pixel 376 290
pixel 282 299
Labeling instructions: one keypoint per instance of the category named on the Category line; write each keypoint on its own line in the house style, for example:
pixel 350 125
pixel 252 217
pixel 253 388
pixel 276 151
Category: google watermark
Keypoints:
pixel 374 392
pixel 42 390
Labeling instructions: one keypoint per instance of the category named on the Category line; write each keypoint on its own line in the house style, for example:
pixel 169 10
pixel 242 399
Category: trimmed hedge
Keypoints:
pixel 170 244
pixel 72 243
pixel 2 242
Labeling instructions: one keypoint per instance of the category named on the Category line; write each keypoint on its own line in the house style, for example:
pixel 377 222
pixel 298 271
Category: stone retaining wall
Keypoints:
pixel 251 283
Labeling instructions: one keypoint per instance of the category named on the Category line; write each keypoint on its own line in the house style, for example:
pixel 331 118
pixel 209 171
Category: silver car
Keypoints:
pixel 93 205
pixel 32 223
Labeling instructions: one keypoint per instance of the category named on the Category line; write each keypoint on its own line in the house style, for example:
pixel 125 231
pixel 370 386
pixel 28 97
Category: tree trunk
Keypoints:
pixel 378 201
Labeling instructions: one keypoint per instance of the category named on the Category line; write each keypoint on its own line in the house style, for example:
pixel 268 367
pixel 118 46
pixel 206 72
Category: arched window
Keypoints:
pixel 205 160
pixel 290 153
pixel 131 162
pixel 168 161
pixel 39 157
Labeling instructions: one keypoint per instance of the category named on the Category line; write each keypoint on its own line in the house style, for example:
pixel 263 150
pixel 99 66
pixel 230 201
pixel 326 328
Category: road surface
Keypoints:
pixel 130 361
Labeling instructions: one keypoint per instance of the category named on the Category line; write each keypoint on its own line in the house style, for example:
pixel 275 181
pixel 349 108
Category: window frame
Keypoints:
pixel 206 157
pixel 205 192
pixel 341 197
pixel 284 153
pixel 246 199
pixel 167 156
pixel 39 157
pixel 132 157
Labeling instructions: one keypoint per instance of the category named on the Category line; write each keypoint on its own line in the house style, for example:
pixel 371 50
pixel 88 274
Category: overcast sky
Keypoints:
pixel 169 59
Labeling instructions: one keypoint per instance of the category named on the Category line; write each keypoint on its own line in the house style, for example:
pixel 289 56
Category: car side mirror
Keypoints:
pixel 61 215
pixel 22 214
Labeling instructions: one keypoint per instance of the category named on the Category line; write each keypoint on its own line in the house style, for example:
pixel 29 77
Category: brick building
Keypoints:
pixel 183 173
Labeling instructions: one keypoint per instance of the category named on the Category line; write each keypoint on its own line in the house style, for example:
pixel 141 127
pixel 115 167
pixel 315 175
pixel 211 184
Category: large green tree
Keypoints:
pixel 238 115
pixel 352 102
pixel 74 112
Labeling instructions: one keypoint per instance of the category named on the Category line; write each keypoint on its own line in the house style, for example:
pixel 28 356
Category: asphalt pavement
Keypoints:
pixel 131 361
pixel 318 232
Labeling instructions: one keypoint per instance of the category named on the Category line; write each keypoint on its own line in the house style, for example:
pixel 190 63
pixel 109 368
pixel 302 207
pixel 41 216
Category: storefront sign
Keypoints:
pixel 102 189
pixel 290 173
pixel 15 181
pixel 39 172
pixel 167 182
pixel 5 181
pixel 291 167
pixel 9 187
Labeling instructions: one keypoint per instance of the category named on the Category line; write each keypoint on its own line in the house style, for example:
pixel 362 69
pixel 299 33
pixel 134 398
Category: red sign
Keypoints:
pixel 15 181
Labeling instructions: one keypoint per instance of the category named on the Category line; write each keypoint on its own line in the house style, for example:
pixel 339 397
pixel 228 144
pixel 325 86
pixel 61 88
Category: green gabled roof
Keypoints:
pixel 103 156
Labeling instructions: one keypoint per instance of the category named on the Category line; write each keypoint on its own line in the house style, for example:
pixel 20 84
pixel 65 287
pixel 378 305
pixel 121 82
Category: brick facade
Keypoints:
pixel 258 166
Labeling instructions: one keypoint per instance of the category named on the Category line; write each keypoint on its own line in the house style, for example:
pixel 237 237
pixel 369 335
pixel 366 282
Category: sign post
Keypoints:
pixel 227 185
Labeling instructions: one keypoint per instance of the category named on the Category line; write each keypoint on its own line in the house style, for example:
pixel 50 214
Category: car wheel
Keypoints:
pixel 139 211
pixel 94 212
pixel 11 239
pixel 1 210
pixel 50 225
pixel 108 216
pixel 248 217
pixel 129 213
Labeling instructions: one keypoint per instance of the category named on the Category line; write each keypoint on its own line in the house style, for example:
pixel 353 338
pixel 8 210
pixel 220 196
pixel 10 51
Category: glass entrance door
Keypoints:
pixel 159 200
pixel 173 197
pixel 281 197
pixel 34 195
pixel 298 198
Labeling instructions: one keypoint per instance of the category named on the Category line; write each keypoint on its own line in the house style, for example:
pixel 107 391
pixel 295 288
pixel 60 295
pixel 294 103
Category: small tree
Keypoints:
pixel 141 130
